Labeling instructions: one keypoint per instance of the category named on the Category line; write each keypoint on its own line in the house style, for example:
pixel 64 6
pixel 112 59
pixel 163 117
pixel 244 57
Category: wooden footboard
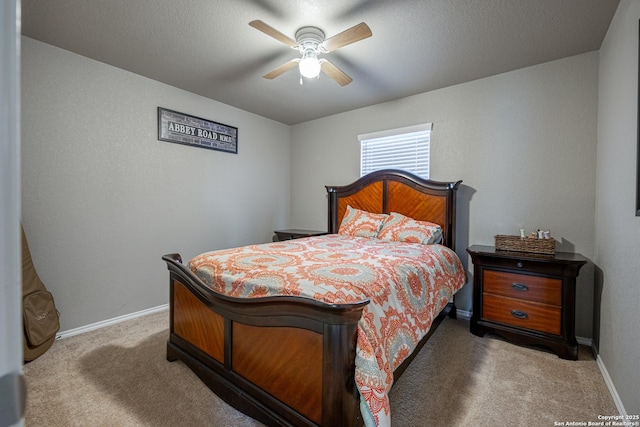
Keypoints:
pixel 282 361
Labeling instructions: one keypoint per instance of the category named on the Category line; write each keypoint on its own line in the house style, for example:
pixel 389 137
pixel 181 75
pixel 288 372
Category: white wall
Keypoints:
pixel 103 199
pixel 523 142
pixel 617 227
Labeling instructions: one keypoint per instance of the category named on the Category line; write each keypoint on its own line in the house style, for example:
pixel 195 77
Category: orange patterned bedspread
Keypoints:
pixel 408 284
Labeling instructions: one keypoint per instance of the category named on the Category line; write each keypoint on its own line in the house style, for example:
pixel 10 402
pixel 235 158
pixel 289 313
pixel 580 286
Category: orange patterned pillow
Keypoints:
pixel 360 223
pixel 400 228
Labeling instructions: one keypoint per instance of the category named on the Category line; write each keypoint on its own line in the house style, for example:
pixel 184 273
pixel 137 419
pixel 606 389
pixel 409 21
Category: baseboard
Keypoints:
pixel 109 322
pixel 605 375
pixel 610 386
pixel 585 341
pixel 463 314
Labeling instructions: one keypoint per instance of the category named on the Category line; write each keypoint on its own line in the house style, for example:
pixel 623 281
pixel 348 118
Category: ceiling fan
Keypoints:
pixel 311 42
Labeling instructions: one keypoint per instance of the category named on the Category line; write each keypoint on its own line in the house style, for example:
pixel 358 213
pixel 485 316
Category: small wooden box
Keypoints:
pixel 526 244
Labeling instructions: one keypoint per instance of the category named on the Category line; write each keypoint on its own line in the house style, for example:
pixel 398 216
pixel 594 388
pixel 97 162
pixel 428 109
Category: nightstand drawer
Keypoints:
pixel 522 286
pixel 522 314
pixel 534 265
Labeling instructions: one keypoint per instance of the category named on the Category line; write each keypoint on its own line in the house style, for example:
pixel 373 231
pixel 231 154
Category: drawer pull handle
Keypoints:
pixel 519 264
pixel 519 314
pixel 519 286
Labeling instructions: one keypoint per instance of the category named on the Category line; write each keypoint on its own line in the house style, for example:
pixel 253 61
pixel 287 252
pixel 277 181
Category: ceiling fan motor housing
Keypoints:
pixel 309 38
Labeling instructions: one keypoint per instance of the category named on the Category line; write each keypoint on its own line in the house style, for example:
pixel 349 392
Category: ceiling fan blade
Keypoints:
pixel 335 73
pixel 281 69
pixel 351 35
pixel 270 31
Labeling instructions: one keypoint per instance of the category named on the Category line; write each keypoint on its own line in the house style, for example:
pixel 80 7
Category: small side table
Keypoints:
pixel 297 234
pixel 526 298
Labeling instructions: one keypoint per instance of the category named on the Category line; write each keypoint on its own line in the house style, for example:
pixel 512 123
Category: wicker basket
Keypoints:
pixel 527 244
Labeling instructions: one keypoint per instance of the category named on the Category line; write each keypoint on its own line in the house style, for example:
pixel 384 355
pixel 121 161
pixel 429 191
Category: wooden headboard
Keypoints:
pixel 392 190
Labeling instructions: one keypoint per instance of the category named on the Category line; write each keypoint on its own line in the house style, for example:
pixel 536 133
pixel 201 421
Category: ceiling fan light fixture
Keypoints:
pixel 311 42
pixel 309 65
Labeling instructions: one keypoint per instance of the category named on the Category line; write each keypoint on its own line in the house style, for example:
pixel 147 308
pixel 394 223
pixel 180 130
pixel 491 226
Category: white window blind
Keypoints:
pixel 404 148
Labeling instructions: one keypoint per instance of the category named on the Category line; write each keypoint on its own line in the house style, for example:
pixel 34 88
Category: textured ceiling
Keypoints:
pixel 207 47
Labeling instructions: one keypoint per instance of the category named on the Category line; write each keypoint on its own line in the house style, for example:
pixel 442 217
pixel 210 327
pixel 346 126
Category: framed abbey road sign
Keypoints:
pixel 195 131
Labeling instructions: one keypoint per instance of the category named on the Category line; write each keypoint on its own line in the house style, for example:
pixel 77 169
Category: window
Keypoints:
pixel 405 148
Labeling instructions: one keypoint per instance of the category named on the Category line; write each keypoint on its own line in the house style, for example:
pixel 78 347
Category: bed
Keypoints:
pixel 291 359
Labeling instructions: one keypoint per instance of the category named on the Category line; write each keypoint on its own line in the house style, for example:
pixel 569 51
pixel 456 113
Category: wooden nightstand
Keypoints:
pixel 526 298
pixel 297 234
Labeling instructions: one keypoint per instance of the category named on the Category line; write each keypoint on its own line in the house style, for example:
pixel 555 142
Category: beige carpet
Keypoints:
pixel 118 376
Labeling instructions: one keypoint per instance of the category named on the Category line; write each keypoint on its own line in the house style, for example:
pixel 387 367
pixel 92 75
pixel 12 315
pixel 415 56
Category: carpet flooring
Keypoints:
pixel 118 376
